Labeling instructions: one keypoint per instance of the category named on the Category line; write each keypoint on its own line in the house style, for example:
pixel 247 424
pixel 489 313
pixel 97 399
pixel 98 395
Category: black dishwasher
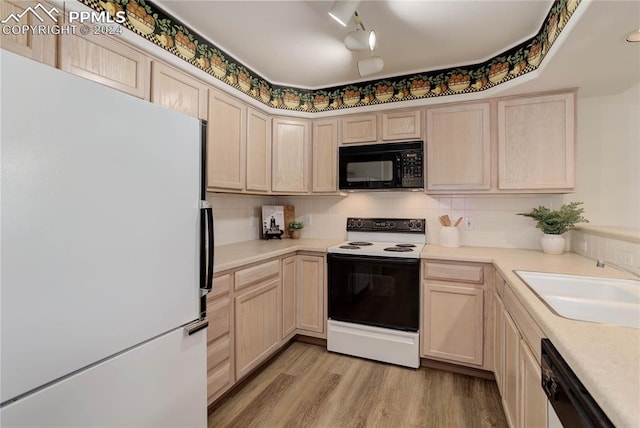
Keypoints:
pixel 569 398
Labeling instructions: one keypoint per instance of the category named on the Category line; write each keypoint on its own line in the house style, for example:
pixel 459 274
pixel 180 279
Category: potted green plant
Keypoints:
pixel 554 223
pixel 294 229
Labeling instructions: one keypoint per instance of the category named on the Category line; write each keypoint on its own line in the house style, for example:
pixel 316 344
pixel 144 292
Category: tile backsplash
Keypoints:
pixel 615 249
pixel 495 223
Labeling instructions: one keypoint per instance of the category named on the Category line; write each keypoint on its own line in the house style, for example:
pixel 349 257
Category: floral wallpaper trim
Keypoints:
pixel 151 22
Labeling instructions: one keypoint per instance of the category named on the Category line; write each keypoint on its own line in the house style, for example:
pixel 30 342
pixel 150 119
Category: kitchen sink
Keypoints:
pixel 586 298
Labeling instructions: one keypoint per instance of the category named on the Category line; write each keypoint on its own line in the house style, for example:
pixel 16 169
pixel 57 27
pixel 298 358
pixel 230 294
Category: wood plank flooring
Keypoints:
pixel 306 386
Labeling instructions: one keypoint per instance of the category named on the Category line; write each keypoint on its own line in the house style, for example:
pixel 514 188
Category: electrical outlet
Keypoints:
pixel 308 220
pixel 626 258
pixel 468 223
pixel 582 246
pixel 253 220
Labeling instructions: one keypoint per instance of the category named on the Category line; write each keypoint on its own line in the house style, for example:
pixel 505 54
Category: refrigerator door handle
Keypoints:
pixel 206 265
pixel 196 326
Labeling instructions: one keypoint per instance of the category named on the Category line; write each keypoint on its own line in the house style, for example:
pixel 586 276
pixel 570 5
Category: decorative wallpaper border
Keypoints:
pixel 151 22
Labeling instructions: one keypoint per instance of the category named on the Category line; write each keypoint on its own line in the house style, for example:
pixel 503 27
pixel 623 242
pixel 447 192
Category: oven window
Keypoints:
pixel 377 291
pixel 381 170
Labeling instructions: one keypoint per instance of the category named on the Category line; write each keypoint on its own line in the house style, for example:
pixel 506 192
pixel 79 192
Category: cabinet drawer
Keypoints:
pixel 221 285
pixel 257 274
pixel 218 381
pixel 454 272
pixel 531 333
pixel 218 351
pixel 219 316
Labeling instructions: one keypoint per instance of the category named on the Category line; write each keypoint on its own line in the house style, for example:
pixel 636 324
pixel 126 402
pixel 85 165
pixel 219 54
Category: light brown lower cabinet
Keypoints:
pixel 498 344
pixel 453 323
pixel 517 369
pixel 289 280
pixel 257 325
pixel 510 395
pixel 452 320
pixel 533 401
pixel 310 295
pixel 220 373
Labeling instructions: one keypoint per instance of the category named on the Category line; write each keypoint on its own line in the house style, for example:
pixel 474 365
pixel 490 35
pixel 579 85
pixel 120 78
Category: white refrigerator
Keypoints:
pixel 103 259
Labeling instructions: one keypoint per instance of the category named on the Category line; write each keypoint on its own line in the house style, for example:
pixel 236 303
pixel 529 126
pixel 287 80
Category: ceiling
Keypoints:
pixel 296 43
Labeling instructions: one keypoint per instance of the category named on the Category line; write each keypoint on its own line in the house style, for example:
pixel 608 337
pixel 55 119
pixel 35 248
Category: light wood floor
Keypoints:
pixel 306 386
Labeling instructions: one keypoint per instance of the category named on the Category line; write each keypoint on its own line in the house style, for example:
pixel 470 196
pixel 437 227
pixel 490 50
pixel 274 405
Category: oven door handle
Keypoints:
pixel 370 259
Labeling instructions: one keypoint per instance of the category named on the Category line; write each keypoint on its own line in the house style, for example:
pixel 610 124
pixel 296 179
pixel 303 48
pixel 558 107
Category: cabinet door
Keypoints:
pixel 533 400
pixel 359 129
pixel 106 61
pixel 257 325
pixel 178 91
pixel 41 48
pixel 510 395
pixel 258 151
pixel 290 156
pixel 458 148
pixel 498 344
pixel 453 323
pixel 310 294
pixel 325 156
pixel 220 376
pixel 536 142
pixel 402 125
pixel 226 142
pixel 289 280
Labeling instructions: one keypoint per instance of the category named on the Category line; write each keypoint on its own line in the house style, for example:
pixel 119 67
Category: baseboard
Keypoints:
pixel 455 368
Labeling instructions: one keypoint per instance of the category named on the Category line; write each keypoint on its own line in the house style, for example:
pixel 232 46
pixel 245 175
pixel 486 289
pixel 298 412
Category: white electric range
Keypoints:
pixel 374 290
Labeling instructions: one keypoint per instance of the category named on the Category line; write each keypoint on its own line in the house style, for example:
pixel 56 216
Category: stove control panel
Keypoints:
pixel 401 225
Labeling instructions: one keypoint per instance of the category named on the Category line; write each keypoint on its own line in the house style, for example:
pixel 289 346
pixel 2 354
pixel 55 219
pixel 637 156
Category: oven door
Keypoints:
pixel 377 291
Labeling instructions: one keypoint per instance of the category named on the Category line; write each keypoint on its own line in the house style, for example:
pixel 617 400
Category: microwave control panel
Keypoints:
pixel 411 169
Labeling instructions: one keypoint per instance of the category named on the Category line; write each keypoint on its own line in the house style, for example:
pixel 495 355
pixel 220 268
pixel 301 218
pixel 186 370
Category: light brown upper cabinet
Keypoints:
pixel 362 128
pixel 404 125
pixel 290 170
pixel 178 91
pixel 536 141
pixel 226 142
pixel 325 156
pixel 41 48
pixel 107 61
pixel 459 148
pixel 369 128
pixel 258 151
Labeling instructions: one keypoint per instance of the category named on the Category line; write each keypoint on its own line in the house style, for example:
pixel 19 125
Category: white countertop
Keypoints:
pixel 606 358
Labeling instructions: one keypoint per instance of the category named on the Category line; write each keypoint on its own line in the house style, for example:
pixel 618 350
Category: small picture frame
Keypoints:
pixel 273 225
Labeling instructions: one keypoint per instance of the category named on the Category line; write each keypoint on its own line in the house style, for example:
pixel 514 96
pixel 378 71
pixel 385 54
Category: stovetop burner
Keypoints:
pixel 360 243
pixel 398 249
pixel 349 247
pixel 405 245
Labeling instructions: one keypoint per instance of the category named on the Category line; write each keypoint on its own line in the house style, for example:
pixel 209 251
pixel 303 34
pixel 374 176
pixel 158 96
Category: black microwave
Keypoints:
pixel 391 166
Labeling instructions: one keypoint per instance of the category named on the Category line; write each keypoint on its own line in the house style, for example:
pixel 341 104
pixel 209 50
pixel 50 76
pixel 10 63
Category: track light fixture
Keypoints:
pixel 343 10
pixel 369 66
pixel 360 39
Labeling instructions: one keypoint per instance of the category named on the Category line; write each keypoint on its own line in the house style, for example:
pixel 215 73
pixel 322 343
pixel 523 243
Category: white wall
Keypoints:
pixel 233 216
pixel 608 159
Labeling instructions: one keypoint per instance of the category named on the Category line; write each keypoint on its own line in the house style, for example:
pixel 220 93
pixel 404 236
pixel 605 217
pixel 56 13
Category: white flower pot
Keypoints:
pixel 552 244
